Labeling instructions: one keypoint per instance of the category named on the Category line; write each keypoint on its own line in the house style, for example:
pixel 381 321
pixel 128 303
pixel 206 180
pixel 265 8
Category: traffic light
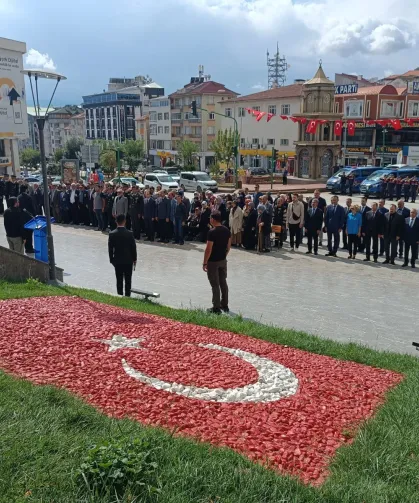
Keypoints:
pixel 235 150
pixel 274 153
pixel 193 107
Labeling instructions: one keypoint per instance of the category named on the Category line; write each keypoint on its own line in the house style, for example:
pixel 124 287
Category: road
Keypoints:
pixel 370 303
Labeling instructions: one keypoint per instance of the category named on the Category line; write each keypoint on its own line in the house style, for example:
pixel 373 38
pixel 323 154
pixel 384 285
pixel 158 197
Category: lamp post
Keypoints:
pixel 40 122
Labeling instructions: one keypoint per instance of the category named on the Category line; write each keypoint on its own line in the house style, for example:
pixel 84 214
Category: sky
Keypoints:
pixel 91 41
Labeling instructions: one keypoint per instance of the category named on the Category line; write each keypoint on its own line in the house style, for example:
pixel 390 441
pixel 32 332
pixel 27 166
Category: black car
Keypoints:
pixel 258 171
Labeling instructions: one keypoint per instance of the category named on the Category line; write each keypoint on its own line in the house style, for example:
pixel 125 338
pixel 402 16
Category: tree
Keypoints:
pixel 30 157
pixel 72 147
pixel 59 154
pixel 108 161
pixel 186 151
pixel 223 146
pixel 133 153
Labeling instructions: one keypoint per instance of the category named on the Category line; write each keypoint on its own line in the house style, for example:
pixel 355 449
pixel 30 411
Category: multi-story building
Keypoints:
pixel 202 129
pixel 257 139
pixel 61 125
pixel 372 143
pixel 160 146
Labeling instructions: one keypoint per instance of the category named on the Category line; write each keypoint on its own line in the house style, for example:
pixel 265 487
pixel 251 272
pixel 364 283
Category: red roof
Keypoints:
pixel 410 73
pixel 208 87
pixel 362 91
pixel 291 91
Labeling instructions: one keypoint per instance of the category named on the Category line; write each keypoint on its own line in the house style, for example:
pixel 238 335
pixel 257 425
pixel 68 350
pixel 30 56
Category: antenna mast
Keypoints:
pixel 277 69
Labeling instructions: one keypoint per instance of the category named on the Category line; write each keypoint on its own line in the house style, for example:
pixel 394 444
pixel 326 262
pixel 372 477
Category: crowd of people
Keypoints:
pixel 256 220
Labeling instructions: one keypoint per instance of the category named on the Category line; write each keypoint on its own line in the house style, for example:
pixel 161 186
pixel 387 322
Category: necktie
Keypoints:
pixel 411 222
pixel 373 215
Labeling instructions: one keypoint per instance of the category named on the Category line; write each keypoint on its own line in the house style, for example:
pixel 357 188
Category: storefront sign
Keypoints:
pixel 388 150
pixel 363 125
pixel 358 150
pixel 346 89
pixel 413 87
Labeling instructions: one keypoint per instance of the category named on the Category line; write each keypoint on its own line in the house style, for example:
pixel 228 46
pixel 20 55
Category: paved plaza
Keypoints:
pixel 331 297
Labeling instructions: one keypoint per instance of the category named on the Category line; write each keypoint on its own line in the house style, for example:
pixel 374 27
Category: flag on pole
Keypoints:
pixel 270 117
pixel 351 128
pixel 338 128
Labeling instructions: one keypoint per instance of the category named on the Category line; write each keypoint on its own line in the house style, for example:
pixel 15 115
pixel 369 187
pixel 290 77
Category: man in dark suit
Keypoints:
pixel 122 255
pixel 393 232
pixel 382 209
pixel 334 220
pixel 313 225
pixel 411 238
pixel 374 230
pixel 26 206
pixel 364 209
pixel 322 205
pixel 405 213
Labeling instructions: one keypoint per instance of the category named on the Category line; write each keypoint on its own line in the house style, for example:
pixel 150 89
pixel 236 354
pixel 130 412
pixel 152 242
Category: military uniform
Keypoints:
pixel 399 184
pixel 136 211
pixel 414 183
pixel 390 188
pixel 406 189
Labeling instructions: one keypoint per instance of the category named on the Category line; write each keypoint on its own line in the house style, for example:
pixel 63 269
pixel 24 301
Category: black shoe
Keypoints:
pixel 392 262
pixel 405 265
pixel 350 257
pixel 386 262
pixel 367 260
pixel 375 261
pixel 315 253
pixel 381 254
pixel 413 266
pixel 329 254
pixel 160 241
pixel 213 310
pixel 225 309
pixel 308 252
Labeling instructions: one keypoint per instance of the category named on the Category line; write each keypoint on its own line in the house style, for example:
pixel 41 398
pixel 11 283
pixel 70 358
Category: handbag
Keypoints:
pixel 277 229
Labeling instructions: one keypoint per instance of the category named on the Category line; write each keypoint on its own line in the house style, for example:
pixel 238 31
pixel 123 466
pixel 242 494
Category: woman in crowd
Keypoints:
pixel 250 227
pixel 280 218
pixel 236 224
pixel 204 222
pixel 265 227
pixel 353 230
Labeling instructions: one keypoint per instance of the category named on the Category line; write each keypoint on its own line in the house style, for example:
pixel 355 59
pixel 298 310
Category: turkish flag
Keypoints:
pixel 271 403
pixel 294 119
pixel 351 128
pixel 312 126
pixel 285 117
pixel 270 117
pixel 248 110
pixel 255 112
pixel 382 123
pixel 396 124
pixel 338 128
pixel 260 116
pixel 410 122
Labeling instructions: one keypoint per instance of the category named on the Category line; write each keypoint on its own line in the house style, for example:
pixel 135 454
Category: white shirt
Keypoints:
pixel 73 197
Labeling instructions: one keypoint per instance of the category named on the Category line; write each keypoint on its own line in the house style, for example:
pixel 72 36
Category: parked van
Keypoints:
pixel 372 185
pixel 197 181
pixel 360 174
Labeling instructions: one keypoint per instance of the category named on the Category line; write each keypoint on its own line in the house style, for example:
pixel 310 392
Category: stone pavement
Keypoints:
pixel 346 301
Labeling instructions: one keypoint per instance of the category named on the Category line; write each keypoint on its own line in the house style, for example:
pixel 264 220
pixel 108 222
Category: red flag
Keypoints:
pixel 351 128
pixel 338 128
pixel 207 384
pixel 370 123
pixel 294 119
pixel 260 116
pixel 303 120
pixel 382 123
pixel 285 117
pixel 270 117
pixel 248 110
pixel 396 124
pixel 410 122
pixel 323 121
pixel 255 112
pixel 312 126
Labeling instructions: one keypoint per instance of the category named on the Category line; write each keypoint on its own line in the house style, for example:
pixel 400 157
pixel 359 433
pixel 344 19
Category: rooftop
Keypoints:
pixel 319 79
pixel 207 87
pixel 291 91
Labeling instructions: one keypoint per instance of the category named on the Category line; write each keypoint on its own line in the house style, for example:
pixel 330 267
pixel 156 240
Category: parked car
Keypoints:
pixel 197 181
pixel 372 186
pixel 165 181
pixel 32 179
pixel 360 174
pixel 258 171
pixel 129 180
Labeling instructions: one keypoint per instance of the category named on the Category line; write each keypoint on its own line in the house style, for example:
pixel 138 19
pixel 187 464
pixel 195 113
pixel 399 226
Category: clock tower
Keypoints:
pixel 317 153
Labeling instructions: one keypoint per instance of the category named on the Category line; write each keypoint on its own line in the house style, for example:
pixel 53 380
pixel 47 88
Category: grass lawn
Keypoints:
pixel 45 433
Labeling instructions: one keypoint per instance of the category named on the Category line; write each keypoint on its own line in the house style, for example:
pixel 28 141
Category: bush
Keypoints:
pixel 124 469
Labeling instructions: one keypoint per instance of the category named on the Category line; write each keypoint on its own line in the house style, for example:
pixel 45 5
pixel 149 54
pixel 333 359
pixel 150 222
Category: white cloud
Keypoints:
pixel 35 59
pixel 259 87
pixel 387 73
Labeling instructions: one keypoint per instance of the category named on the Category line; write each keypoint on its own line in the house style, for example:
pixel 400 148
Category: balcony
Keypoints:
pixel 177 121
pixel 194 119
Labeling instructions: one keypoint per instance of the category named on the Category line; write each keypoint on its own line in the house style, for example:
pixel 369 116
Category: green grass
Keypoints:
pixel 45 433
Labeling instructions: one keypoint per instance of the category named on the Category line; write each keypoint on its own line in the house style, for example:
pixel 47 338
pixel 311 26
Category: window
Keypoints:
pixel 272 109
pixel 284 142
pixel 159 117
pixel 177 117
pixel 337 107
pixel 186 130
pixel 271 141
pixel 153 144
pixel 242 112
pixel 367 114
pixel 188 115
pixel 160 129
pixel 160 144
pixel 153 129
pixel 211 130
pixel 166 116
pixel 176 131
pixel 354 108
pixel 228 112
pixel 197 130
pixel 178 102
pixel 257 109
pixel 242 142
pixel 186 101
pixel 211 100
pixel 392 108
pixel 211 116
pixel 285 109
pixel 255 141
pixel 166 129
pixel 164 103
pixel 413 109
pixel 153 116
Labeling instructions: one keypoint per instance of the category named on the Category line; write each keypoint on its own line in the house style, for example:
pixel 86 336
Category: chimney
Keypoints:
pixel 299 81
pixel 360 77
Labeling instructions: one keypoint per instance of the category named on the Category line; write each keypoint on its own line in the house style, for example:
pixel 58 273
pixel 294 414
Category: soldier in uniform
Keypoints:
pixel 414 182
pixel 351 179
pixel 399 184
pixel 406 189
pixel 390 187
pixel 111 193
pixel 136 211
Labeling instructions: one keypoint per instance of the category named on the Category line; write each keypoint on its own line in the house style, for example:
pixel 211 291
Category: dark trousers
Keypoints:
pixel 351 186
pixel 74 213
pixel 149 228
pixel 398 191
pixel 406 194
pixel 1 205
pixel 413 191
pixel 413 248
pixel 333 240
pixel 92 216
pixel 344 238
pixel 136 225
pixel 178 230
pixel 163 229
pixel 401 248
pixel 343 188
pixel 390 247
pixel 123 271
pixel 28 237
pixel 99 218
pixel 374 240
pixel 295 235
pixel 312 236
pixel 382 246
pixel 390 189
pixel 352 244
pixel 217 276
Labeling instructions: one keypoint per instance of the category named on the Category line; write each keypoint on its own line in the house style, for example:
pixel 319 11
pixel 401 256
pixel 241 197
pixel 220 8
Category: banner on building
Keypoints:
pixel 70 170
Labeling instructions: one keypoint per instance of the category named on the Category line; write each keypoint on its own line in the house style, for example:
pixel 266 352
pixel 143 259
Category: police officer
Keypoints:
pixel 406 189
pixel 414 182
pixel 399 184
pixel 136 211
pixel 390 187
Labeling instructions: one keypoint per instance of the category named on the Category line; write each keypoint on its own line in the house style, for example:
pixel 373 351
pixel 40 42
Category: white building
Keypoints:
pixel 160 131
pixel 61 125
pixel 258 138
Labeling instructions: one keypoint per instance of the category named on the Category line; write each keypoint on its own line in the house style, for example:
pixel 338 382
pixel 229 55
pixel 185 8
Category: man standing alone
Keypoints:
pixel 13 224
pixel 215 263
pixel 122 255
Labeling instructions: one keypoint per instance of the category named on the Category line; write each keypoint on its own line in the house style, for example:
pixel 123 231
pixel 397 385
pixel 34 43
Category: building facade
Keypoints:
pixel 317 153
pixel 257 139
pixel 61 125
pixel 200 130
pixel 373 144
pixel 160 125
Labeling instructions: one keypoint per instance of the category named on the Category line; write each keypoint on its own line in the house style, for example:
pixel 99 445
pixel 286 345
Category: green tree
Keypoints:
pixel 223 146
pixel 186 151
pixel 134 152
pixel 59 154
pixel 72 147
pixel 108 161
pixel 30 157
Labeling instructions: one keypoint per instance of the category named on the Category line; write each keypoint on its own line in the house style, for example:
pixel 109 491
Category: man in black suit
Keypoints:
pixel 122 255
pixel 411 238
pixel 26 206
pixel 322 205
pixel 404 213
pixel 364 209
pixel 334 220
pixel 393 232
pixel 313 224
pixel 374 230
pixel 347 209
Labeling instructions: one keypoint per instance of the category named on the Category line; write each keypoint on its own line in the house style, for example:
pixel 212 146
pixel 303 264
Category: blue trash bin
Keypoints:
pixel 39 226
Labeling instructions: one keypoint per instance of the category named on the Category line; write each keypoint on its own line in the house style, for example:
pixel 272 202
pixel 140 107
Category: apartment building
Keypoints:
pixel 61 125
pixel 160 150
pixel 258 138
pixel 202 129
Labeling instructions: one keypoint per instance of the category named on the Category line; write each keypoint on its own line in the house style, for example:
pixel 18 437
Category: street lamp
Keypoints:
pixel 40 122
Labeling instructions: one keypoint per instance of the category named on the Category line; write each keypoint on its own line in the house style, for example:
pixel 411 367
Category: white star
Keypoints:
pixel 121 342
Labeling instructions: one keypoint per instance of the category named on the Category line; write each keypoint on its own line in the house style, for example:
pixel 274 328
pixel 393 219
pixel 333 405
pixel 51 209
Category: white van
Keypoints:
pixel 165 181
pixel 197 181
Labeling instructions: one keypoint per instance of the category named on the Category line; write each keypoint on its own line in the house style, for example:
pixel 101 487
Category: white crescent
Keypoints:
pixel 274 381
